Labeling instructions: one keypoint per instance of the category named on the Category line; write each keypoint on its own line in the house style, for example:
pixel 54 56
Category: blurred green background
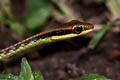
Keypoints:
pixel 20 19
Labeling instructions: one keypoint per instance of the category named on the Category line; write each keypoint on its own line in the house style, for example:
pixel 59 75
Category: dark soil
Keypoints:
pixel 70 59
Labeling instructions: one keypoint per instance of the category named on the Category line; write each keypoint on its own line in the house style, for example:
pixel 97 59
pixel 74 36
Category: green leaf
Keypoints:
pixel 2 17
pixel 8 77
pixel 93 77
pixel 26 73
pixel 99 35
pixel 115 6
pixel 35 5
pixel 38 18
pixel 38 13
pixel 16 26
pixel 37 75
pixel 5 7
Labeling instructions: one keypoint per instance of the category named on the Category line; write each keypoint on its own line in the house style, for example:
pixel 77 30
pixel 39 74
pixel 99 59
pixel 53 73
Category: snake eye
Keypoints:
pixel 78 29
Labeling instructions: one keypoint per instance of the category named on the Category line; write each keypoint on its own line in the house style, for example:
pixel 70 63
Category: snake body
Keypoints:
pixel 68 30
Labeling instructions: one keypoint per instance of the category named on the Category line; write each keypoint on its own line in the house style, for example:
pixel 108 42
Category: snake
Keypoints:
pixel 66 30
